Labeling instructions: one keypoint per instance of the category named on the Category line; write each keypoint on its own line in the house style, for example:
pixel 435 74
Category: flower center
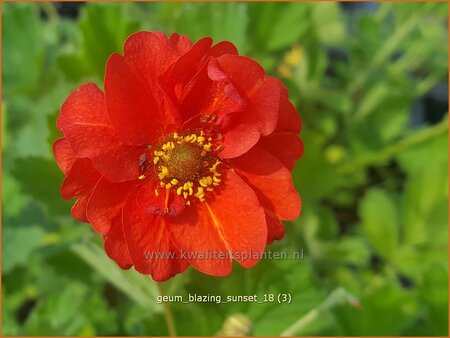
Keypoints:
pixel 187 164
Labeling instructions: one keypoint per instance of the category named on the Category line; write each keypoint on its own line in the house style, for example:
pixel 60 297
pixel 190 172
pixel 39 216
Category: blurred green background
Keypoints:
pixel 370 82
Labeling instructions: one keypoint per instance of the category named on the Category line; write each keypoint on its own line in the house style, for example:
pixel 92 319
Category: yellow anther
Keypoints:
pixel 141 177
pixel 174 181
pixel 168 146
pixel 158 153
pixel 200 139
pixel 200 194
pixel 168 186
pixel 185 195
pixel 213 169
pixel 164 171
pixel 185 186
pixel 203 182
pixel 216 179
pixel 207 146
pixel 175 135
pixel 191 191
pixel 155 159
pixel 179 190
pixel 162 184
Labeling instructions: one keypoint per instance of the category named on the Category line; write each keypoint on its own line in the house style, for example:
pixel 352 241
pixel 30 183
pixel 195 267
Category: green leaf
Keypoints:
pixel 380 222
pixel 290 23
pixel 380 296
pixel 23 50
pixel 426 192
pixel 221 21
pixel 11 193
pixel 328 22
pixel 33 139
pixel 103 28
pixel 314 176
pixel 59 313
pixel 18 244
pixel 138 287
pixel 32 172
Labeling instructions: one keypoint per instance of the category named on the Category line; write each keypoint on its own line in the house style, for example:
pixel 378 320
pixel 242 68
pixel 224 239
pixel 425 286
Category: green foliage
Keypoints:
pixel 374 185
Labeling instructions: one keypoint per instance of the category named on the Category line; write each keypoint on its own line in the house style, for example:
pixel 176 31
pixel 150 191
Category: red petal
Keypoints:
pixel 78 210
pixel 183 70
pixel 275 229
pixel 106 202
pixel 288 117
pixel 151 54
pixel 136 113
pixel 147 235
pixel 242 131
pixel 64 154
pixel 209 232
pixel 79 182
pixel 180 43
pixel 154 200
pixel 222 48
pixel 245 73
pixel 210 94
pixel 283 89
pixel 80 179
pixel 286 147
pixel 115 245
pixel 85 123
pixel 271 181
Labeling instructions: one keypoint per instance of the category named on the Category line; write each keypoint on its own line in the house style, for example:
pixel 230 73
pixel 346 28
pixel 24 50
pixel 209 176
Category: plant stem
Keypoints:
pixel 170 322
pixel 393 149
pixel 337 297
pixel 385 51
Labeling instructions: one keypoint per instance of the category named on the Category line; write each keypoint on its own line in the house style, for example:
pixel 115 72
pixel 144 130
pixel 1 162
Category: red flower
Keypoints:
pixel 183 159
